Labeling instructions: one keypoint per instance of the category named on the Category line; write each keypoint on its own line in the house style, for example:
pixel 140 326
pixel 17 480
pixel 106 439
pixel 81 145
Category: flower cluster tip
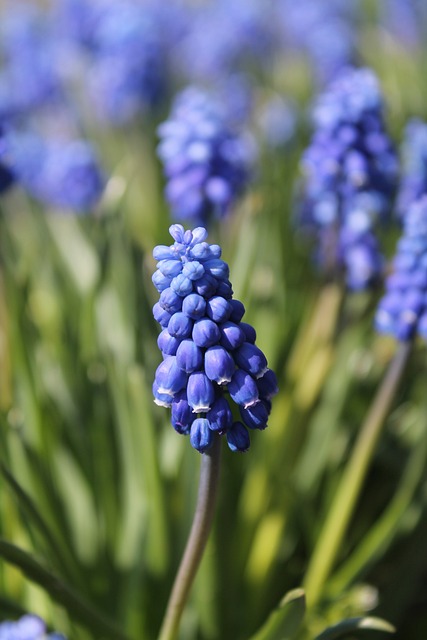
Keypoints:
pixel 209 354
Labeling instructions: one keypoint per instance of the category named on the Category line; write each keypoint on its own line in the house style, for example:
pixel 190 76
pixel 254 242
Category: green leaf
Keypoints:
pixel 76 251
pixel 354 624
pixel 28 506
pixel 60 592
pixel 284 621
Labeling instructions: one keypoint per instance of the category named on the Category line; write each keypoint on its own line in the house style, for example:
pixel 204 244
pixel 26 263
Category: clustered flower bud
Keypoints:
pixel 209 354
pixel 206 164
pixel 414 169
pixel 29 627
pixel 402 312
pixel 350 172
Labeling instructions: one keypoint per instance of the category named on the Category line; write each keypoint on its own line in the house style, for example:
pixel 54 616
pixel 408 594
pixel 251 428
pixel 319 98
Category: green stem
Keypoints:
pixel 199 534
pixel 344 502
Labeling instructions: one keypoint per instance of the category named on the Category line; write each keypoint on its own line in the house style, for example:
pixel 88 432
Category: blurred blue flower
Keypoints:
pixel 402 312
pixel 323 30
pixel 209 355
pixel 406 20
pixel 414 169
pixel 350 173
pixel 206 164
pixel 29 627
pixel 30 74
pixel 124 58
pixel 225 37
pixel 60 172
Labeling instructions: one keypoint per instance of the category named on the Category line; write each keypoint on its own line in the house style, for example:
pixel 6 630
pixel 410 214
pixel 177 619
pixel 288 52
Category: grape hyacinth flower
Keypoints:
pixel 122 51
pixel 206 164
pixel 414 157
pixel 350 172
pixel 29 627
pixel 30 76
pixel 322 30
pixel 402 312
pixel 62 173
pixel 209 354
pixel 223 39
pixel 128 70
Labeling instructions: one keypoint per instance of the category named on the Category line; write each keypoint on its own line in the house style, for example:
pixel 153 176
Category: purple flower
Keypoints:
pixel 350 172
pixel 225 37
pixel 322 30
pixel 206 164
pixel 124 58
pixel 414 158
pixel 31 55
pixel 402 312
pixel 62 173
pixel 29 627
pixel 209 360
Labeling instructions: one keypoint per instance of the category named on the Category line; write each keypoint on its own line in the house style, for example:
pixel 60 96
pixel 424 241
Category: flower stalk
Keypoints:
pixel 196 543
pixel 343 504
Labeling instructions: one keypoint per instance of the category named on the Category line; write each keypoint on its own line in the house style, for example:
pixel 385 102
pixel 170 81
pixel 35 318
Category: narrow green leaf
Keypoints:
pixel 60 592
pixel 77 253
pixel 284 621
pixel 354 624
pixel 27 505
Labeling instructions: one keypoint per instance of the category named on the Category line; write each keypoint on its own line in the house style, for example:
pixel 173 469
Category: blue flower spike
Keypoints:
pixel 210 359
pixel 402 312
pixel 350 174
pixel 207 165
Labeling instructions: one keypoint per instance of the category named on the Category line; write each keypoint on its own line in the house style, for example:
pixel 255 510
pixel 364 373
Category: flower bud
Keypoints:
pixel 201 437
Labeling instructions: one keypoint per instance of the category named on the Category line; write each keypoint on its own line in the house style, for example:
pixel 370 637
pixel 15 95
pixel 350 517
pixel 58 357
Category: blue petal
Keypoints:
pixel 200 392
pixel 167 343
pixel 206 285
pixel 170 267
pixel 238 311
pixel 170 301
pixel 267 385
pixel 160 281
pixel 182 285
pixel 201 437
pixel 189 357
pixel 220 416
pixel 232 336
pixel 194 306
pixel 160 315
pixel 243 389
pixel 218 309
pixel 251 359
pixel 169 377
pixel 162 252
pixel 249 331
pixel 238 437
pixel 219 365
pixel 255 417
pixel 205 333
pixel 177 232
pixel 180 325
pixel 182 416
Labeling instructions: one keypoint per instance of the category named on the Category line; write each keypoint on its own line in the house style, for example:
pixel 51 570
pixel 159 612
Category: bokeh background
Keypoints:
pixel 97 490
